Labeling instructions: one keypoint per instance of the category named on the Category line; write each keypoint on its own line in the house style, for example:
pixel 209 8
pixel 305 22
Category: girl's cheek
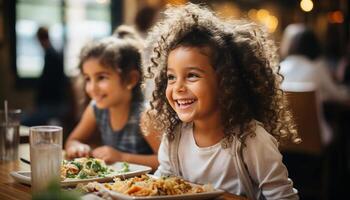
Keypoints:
pixel 88 90
pixel 168 95
pixel 110 86
pixel 167 92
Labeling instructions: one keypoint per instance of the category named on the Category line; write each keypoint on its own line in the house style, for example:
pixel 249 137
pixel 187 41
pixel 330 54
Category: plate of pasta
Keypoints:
pixel 153 188
pixel 83 170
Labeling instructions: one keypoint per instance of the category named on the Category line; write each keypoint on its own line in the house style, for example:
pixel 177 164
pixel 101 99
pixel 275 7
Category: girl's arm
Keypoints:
pixel 265 167
pixel 75 146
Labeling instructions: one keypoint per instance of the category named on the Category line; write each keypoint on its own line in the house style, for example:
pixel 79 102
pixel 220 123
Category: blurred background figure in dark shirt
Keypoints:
pixel 50 101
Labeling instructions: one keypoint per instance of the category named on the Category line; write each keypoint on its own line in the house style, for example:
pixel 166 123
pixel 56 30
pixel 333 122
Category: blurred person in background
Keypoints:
pixel 303 63
pixel 51 103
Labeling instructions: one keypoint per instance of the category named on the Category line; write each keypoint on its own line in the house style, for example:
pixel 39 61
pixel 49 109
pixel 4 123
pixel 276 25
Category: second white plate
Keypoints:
pixel 135 170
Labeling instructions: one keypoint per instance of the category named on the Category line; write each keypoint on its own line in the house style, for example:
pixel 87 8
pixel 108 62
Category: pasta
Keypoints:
pixel 147 186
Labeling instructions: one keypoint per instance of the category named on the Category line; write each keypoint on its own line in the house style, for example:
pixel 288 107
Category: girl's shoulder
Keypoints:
pixel 259 137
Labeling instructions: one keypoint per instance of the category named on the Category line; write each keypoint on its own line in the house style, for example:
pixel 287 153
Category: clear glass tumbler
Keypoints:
pixel 9 134
pixel 45 155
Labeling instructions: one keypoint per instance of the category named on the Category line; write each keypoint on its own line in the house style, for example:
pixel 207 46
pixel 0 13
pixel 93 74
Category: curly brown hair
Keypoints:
pixel 245 60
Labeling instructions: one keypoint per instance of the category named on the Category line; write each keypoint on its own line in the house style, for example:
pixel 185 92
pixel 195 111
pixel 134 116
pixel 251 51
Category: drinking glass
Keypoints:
pixel 9 134
pixel 45 155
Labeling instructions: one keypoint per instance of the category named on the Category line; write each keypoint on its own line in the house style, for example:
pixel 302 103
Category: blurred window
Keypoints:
pixel 30 15
pixel 85 20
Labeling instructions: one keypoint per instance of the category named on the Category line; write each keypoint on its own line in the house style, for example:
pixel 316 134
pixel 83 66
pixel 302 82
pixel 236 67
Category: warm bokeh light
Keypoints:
pixel 272 24
pixel 306 5
pixel 262 14
pixel 264 17
pixel 176 2
pixel 336 17
pixel 252 14
pixel 227 9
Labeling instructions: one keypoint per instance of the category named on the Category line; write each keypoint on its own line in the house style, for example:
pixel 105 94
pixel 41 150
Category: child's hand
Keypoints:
pixel 78 150
pixel 107 153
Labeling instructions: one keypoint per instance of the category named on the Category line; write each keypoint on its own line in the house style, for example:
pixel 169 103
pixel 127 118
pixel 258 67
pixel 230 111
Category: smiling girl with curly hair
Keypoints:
pixel 217 99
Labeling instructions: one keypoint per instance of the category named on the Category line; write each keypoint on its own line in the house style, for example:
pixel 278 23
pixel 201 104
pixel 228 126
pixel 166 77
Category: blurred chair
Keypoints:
pixel 306 162
pixel 305 110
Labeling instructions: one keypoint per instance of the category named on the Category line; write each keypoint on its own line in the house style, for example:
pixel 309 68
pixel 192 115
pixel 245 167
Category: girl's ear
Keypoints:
pixel 133 79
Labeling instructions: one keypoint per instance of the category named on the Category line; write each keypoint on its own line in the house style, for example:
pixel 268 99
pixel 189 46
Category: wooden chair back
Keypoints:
pixel 305 110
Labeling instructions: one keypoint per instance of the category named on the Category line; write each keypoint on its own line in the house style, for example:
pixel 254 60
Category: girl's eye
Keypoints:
pixel 100 78
pixel 192 76
pixel 170 77
pixel 87 79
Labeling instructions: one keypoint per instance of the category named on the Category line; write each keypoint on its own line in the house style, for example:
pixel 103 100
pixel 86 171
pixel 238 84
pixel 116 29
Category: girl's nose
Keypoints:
pixel 180 86
pixel 91 88
pixel 94 87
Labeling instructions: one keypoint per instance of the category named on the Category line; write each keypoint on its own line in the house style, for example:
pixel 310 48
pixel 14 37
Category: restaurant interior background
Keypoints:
pixel 72 23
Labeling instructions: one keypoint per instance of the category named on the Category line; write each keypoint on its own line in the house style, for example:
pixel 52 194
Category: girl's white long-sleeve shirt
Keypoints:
pixel 215 165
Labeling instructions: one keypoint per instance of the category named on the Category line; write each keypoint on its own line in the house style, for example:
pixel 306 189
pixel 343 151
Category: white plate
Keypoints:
pixel 196 196
pixel 135 170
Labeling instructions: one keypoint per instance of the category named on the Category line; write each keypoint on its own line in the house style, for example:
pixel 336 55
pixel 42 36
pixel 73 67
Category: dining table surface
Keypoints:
pixel 10 189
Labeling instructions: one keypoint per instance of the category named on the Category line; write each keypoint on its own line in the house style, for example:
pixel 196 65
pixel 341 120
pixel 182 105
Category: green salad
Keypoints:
pixel 83 168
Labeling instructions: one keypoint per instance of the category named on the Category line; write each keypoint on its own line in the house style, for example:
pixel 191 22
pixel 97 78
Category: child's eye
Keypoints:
pixel 87 79
pixel 170 77
pixel 192 76
pixel 100 78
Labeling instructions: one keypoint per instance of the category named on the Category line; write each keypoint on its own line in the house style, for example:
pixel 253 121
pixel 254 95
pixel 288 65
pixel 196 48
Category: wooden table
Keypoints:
pixel 9 189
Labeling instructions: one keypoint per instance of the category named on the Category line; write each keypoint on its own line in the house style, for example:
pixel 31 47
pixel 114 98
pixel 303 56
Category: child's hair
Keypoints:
pixel 121 52
pixel 245 60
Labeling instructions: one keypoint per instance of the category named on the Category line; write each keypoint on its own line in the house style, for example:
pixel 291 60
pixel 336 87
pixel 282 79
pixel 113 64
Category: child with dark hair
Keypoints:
pixel 112 71
pixel 217 98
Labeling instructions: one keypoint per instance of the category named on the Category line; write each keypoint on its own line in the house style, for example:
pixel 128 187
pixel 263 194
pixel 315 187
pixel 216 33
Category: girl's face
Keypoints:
pixel 192 84
pixel 104 84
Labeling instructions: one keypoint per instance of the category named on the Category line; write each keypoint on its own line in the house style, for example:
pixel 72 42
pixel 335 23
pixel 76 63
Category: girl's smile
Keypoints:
pixel 183 104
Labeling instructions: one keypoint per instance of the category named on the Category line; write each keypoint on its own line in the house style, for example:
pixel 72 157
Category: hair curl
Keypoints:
pixel 121 52
pixel 245 60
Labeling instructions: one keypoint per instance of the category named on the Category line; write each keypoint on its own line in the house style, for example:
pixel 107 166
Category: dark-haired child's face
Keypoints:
pixel 192 84
pixel 104 84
